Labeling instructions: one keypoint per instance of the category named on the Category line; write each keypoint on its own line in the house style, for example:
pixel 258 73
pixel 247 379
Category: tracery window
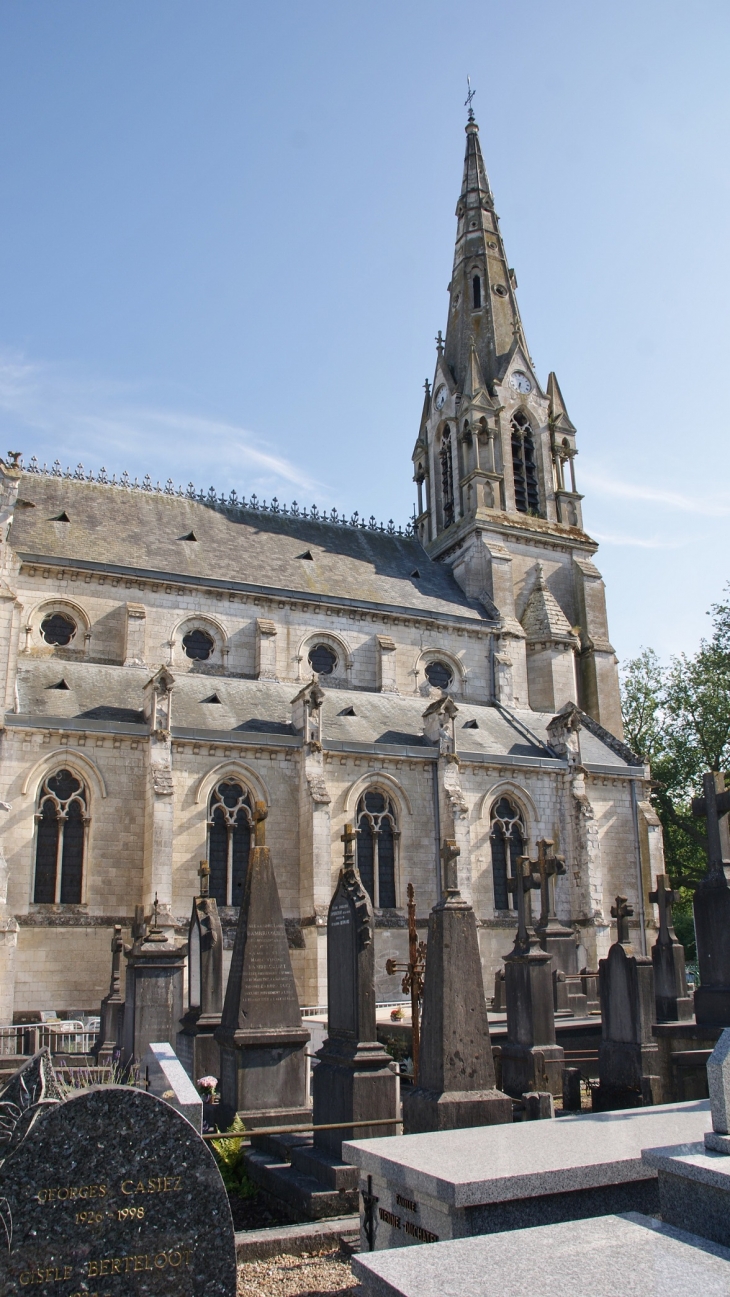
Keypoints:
pixel 447 478
pixel 198 644
pixel 376 847
pixel 230 820
pixel 527 492
pixel 62 818
pixel 439 675
pixel 508 842
pixel 322 659
pixel 58 629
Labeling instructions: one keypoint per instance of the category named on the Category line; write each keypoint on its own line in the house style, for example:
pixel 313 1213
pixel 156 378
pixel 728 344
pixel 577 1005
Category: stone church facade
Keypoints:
pixel 170 658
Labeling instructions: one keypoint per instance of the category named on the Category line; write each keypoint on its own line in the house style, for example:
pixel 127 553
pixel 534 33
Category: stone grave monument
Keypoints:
pixel 197 1048
pixel 569 998
pixel 712 910
pixel 694 1179
pixel 111 1014
pixel 261 1037
pixel 456 1081
pixel 413 974
pixel 628 1058
pixel 153 1000
pixel 531 1059
pixel 110 1191
pixel 673 1004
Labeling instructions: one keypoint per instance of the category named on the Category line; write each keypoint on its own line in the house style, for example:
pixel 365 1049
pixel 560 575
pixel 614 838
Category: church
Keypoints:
pixel 173 657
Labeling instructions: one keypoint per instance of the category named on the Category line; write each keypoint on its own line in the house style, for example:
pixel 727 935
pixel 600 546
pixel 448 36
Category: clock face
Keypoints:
pixel 440 398
pixel 519 382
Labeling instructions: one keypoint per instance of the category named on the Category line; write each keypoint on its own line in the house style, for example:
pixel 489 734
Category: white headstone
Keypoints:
pixel 166 1078
pixel 718 1081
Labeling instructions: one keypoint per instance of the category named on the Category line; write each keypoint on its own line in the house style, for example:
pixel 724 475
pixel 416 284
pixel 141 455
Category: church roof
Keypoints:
pixel 166 537
pixel 543 618
pixel 109 698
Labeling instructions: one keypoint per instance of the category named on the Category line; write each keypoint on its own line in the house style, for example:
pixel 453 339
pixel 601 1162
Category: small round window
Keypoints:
pixel 198 644
pixel 500 290
pixel 58 629
pixel 439 675
pixel 322 659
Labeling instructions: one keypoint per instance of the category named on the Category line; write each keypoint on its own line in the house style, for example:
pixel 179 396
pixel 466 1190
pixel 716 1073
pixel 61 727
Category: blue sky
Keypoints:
pixel 226 232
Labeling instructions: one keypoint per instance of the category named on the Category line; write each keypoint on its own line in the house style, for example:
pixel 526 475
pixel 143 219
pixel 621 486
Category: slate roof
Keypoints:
pixel 110 697
pixel 110 526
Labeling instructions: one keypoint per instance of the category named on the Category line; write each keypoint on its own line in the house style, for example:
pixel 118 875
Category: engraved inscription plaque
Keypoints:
pixel 112 1192
pixel 341 965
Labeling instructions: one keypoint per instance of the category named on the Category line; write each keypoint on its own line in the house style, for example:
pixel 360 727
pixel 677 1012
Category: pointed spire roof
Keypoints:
pixel 475 389
pixel 558 413
pixel 543 618
pixel 483 307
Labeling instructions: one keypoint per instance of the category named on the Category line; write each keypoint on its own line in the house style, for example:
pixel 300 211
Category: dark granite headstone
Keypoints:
pixel 712 911
pixel 261 1036
pixel 673 1003
pixel 456 1081
pixel 112 1192
pixel 628 1060
pixel 197 1048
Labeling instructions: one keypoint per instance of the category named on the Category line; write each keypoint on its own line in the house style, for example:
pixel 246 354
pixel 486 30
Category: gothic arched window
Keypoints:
pixel 376 845
pixel 62 818
pixel 527 493
pixel 447 478
pixel 508 842
pixel 229 840
pixel 476 288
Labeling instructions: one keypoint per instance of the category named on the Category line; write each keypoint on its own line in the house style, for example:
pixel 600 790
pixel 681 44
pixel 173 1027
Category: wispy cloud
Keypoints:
pixel 57 414
pixel 640 542
pixel 714 505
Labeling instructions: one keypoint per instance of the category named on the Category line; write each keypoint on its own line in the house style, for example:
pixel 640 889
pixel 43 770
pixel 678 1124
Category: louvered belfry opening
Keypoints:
pixel 229 841
pixel 447 478
pixel 527 491
pixel 62 818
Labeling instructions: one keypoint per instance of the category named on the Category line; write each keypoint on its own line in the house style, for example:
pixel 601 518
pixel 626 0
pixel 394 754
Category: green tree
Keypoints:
pixel 678 719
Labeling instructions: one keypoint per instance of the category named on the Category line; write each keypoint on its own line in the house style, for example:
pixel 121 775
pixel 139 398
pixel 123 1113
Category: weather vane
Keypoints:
pixel 469 97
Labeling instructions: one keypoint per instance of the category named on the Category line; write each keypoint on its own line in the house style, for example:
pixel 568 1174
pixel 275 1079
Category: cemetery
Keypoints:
pixel 489 1149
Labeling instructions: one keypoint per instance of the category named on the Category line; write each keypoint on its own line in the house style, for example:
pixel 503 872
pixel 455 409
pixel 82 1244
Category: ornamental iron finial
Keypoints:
pixel 469 97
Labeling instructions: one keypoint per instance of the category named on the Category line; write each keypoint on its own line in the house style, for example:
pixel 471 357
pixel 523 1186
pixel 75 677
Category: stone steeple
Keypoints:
pixel 495 468
pixel 483 307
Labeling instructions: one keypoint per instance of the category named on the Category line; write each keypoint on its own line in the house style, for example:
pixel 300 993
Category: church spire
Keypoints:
pixel 482 307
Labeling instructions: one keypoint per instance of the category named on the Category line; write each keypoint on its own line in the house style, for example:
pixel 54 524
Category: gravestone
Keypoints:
pixel 261 1037
pixel 413 973
pixel 531 1059
pixel 712 910
pixel 628 1058
pixel 558 940
pixel 111 1015
pixel 673 1004
pixel 153 1001
pixel 103 1193
pixel 456 1081
pixel 197 1048
pixel 163 1074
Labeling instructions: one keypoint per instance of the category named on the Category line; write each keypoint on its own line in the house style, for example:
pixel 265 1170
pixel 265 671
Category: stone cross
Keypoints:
pixel 204 876
pixel 259 818
pixel 156 933
pixel 522 884
pixel 449 854
pixel 550 867
pixel 622 912
pixel 664 898
pixel 713 806
pixel 349 837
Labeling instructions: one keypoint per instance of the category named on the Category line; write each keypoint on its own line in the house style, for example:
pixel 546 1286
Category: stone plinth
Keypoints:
pixel 261 1037
pixel 154 992
pixel 453 1184
pixel 456 1072
pixel 694 1189
pixel 606 1256
pixel 628 1061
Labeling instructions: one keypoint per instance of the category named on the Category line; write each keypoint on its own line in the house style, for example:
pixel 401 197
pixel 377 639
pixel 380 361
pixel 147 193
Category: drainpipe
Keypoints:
pixel 635 813
pixel 437 824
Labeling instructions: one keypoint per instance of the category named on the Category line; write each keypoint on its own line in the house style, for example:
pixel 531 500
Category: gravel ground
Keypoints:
pixel 298 1276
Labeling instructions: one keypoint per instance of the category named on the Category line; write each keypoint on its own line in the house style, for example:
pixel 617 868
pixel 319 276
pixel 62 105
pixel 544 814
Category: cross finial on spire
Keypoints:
pixel 469 97
pixel 439 343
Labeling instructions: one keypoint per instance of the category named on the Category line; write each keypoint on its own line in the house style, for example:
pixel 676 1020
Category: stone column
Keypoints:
pixel 456 1081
